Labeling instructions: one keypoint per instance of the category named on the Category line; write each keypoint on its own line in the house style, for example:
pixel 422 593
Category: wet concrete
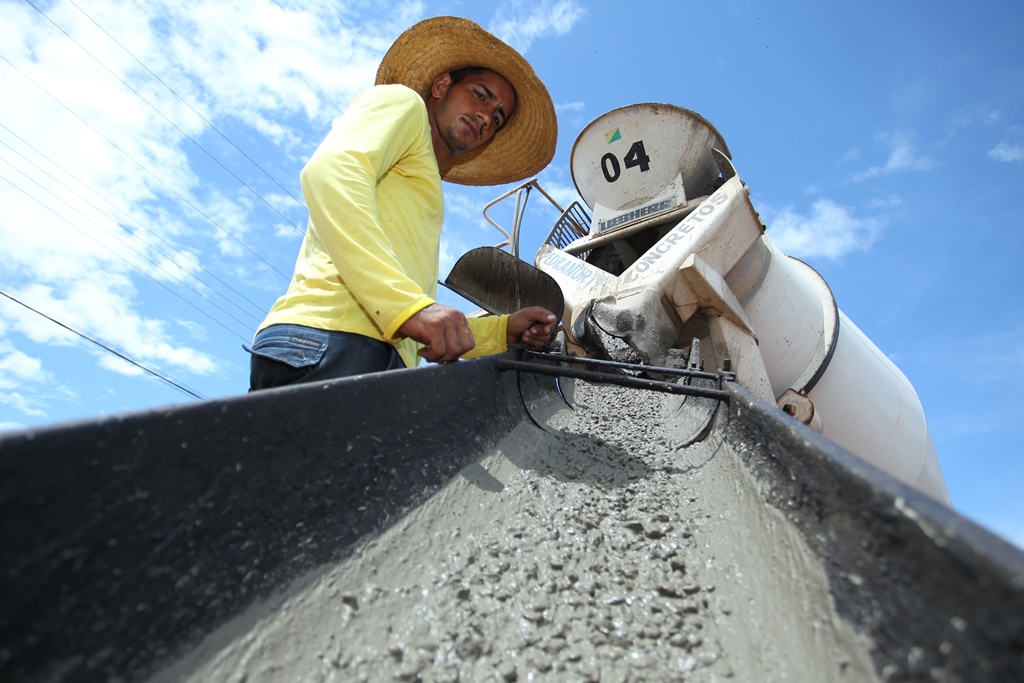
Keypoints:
pixel 460 522
pixel 609 545
pixel 126 539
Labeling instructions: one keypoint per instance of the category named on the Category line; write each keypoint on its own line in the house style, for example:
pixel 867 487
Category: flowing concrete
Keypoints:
pixel 419 524
pixel 607 546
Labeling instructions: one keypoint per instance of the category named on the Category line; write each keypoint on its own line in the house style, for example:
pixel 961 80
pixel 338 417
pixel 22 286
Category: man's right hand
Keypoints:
pixel 442 330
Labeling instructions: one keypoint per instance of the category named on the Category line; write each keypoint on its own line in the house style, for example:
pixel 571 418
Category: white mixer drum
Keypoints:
pixel 861 400
pixel 641 166
pixel 868 406
pixel 634 155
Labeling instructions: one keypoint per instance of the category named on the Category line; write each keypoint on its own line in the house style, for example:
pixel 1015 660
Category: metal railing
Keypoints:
pixel 573 224
pixel 522 195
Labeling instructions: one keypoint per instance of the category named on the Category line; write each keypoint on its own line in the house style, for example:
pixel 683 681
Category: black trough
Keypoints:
pixel 126 540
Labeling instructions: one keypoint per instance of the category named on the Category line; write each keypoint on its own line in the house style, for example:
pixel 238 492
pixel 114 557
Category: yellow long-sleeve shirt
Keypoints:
pixel 369 259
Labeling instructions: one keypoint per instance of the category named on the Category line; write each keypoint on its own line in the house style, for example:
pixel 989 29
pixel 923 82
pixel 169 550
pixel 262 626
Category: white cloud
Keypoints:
pixel 830 231
pixel 275 57
pixel 17 367
pixel 194 330
pixel 26 405
pixel 570 106
pixel 451 250
pixel 103 307
pixel 970 117
pixel 33 322
pixel 456 203
pixel 105 191
pixel 1006 152
pixel 902 157
pixel 520 22
pixel 21 379
pixel 849 156
pixel 565 195
pixel 885 203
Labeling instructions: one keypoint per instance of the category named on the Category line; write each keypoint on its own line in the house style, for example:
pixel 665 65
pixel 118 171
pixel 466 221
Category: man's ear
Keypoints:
pixel 440 86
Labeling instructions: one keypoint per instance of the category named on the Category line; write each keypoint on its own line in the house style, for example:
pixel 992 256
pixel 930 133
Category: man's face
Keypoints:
pixel 467 114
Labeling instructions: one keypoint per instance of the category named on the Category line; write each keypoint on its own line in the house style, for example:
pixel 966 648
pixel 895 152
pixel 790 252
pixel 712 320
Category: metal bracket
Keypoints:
pixel 611 372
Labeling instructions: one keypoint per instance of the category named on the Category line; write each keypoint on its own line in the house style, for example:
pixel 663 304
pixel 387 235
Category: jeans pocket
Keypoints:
pixel 294 345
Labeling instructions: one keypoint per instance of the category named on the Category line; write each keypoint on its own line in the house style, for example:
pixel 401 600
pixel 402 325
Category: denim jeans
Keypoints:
pixel 290 354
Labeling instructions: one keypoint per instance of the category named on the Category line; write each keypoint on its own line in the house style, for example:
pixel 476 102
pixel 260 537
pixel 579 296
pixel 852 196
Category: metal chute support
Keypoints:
pixel 675 250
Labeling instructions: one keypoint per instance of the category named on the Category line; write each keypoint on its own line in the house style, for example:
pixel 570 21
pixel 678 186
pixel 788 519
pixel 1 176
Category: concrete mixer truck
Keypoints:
pixel 668 248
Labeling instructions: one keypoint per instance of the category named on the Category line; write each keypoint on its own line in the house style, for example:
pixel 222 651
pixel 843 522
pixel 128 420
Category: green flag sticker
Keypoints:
pixel 613 136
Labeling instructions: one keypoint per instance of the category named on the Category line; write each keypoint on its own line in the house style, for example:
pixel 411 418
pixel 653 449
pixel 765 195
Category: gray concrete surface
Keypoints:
pixel 601 548
pixel 459 522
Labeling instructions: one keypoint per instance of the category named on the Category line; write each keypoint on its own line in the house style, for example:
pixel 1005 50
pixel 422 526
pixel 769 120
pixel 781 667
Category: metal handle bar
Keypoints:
pixel 621 380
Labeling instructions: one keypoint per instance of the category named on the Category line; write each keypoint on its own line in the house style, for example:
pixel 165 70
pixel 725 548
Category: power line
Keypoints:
pixel 136 267
pixel 135 220
pixel 183 101
pixel 85 334
pixel 155 177
pixel 157 110
pixel 5 291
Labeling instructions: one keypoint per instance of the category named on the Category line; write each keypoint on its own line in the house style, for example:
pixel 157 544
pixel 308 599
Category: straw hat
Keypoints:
pixel 442 44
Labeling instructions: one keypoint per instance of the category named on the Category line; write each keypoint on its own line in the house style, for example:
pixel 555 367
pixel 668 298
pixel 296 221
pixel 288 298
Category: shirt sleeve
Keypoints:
pixel 490 335
pixel 339 184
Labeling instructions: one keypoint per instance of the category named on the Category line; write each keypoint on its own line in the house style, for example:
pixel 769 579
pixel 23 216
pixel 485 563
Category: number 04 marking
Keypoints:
pixel 636 156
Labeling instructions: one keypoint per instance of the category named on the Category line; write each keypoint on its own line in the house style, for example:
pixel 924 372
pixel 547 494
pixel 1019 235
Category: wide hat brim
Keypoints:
pixel 439 45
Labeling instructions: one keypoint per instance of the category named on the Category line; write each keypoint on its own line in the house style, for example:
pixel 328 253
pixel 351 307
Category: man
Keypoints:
pixel 451 102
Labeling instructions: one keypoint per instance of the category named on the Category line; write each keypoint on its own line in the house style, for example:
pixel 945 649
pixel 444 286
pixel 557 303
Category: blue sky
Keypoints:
pixel 149 159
